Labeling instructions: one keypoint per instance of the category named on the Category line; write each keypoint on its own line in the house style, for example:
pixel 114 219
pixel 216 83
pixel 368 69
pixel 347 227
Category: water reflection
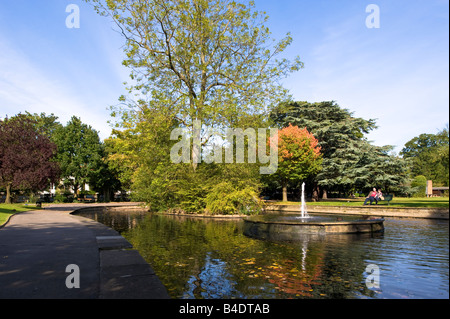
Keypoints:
pixel 206 258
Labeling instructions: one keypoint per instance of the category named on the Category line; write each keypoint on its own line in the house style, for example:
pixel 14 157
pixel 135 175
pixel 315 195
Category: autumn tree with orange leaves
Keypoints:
pixel 299 156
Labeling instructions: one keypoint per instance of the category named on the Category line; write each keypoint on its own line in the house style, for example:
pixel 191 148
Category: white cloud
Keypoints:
pixel 24 86
pixel 380 74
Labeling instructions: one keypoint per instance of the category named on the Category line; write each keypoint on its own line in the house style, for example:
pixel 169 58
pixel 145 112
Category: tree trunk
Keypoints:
pixel 106 196
pixel 75 191
pixel 285 193
pixel 8 194
pixel 196 144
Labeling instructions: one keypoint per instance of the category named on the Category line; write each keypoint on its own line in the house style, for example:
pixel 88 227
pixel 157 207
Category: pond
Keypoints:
pixel 209 259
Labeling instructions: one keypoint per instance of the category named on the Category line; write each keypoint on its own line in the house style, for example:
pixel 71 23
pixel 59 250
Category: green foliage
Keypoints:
pixel 377 167
pixel 140 154
pixel 418 186
pixel 156 186
pixel 226 199
pixel 46 124
pixel 65 197
pixel 429 156
pixel 215 189
pixel 80 152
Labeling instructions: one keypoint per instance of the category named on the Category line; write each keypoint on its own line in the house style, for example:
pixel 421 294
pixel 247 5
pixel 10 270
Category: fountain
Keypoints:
pixel 293 227
pixel 303 204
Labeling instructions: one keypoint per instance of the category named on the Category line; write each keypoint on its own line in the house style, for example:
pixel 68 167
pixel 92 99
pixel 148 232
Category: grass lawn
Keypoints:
pixel 434 202
pixel 7 210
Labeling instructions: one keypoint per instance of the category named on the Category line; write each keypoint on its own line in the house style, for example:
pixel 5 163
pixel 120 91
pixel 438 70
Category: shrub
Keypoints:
pixel 59 198
pixel 226 199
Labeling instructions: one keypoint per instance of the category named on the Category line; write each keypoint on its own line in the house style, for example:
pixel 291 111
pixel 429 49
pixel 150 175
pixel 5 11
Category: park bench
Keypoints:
pixel 388 198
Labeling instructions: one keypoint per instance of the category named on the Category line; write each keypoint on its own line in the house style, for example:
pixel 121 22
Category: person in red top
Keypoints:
pixel 372 197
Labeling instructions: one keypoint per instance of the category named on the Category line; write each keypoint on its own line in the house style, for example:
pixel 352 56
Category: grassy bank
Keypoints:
pixel 7 210
pixel 434 202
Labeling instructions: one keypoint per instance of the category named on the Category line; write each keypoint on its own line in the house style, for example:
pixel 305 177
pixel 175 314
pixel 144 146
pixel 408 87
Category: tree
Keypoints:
pixel 140 154
pixel 79 152
pixel 298 156
pixel 47 124
pixel 26 156
pixel 429 156
pixel 340 136
pixel 104 178
pixel 200 60
pixel 350 162
pixel 379 168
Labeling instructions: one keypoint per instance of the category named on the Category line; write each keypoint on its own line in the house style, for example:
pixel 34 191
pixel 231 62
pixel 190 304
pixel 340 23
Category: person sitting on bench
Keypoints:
pixel 372 197
pixel 379 196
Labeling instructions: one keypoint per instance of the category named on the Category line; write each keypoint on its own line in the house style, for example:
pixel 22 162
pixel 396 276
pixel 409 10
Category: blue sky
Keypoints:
pixel 398 73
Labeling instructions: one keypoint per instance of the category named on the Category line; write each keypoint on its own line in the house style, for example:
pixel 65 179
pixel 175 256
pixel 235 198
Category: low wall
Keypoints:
pixel 381 211
pixel 115 208
pixel 288 230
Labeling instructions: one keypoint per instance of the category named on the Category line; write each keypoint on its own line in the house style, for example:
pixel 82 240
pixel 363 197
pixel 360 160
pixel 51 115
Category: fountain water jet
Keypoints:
pixel 304 213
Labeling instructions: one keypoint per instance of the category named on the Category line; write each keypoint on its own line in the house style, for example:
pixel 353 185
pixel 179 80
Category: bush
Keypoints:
pixel 66 197
pixel 191 194
pixel 212 188
pixel 59 198
pixel 227 200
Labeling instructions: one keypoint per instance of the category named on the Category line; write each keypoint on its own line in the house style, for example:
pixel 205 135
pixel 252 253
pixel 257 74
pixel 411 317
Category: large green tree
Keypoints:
pixel 80 153
pixel 379 167
pixel 429 156
pixel 192 61
pixel 201 60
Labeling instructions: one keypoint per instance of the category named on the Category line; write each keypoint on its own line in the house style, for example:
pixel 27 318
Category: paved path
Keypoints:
pixel 37 246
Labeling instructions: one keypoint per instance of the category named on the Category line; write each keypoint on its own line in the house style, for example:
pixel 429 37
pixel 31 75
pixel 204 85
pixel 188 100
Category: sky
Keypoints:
pixel 397 73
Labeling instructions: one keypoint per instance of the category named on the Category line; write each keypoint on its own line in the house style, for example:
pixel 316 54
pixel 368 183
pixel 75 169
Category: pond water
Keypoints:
pixel 208 259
